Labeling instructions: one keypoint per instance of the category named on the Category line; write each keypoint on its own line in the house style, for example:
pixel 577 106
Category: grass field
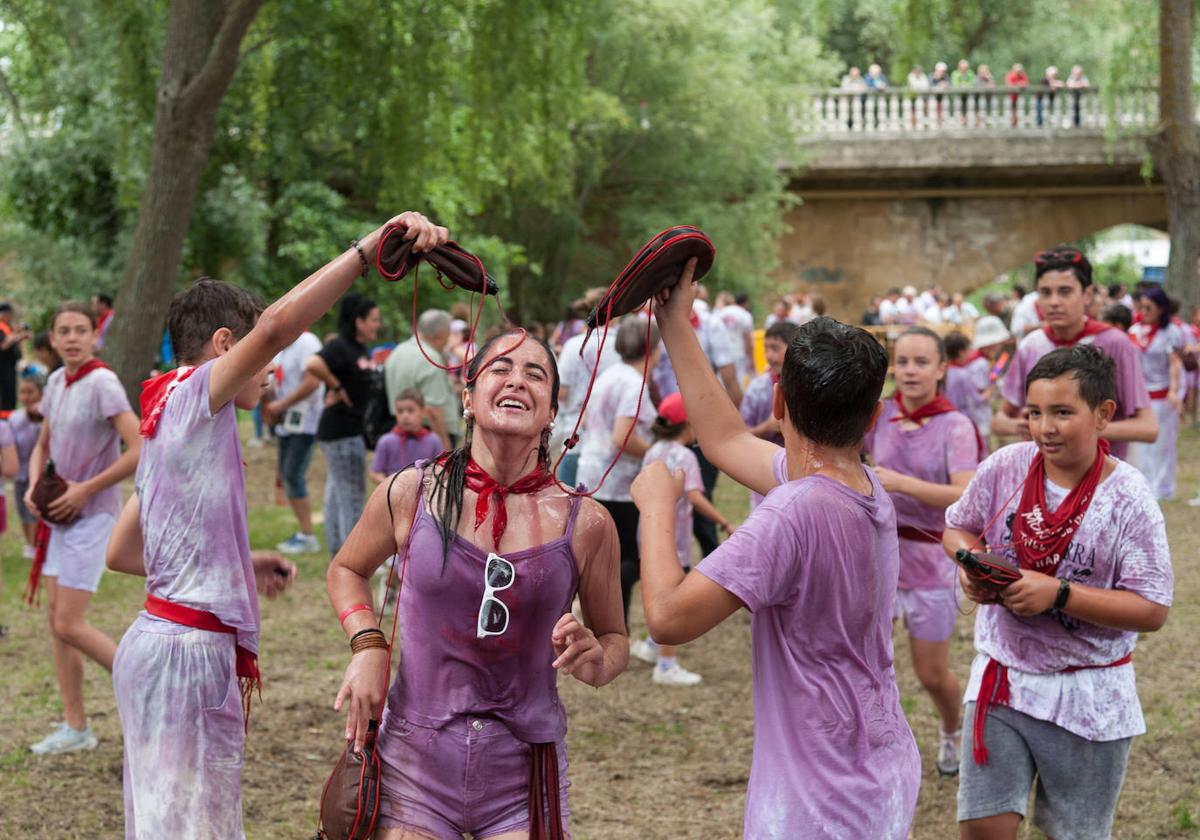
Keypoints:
pixel 646 761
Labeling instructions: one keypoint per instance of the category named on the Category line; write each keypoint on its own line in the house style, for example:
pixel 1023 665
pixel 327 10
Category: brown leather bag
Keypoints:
pixel 49 487
pixel 350 798
pixel 655 267
pixel 395 259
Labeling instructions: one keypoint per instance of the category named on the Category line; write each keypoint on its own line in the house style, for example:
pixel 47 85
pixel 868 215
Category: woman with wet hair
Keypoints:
pixel 492 553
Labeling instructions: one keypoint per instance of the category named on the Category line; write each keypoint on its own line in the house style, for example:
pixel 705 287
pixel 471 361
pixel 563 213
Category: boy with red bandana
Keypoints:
pixel 1064 288
pixel 186 668
pixel 1052 690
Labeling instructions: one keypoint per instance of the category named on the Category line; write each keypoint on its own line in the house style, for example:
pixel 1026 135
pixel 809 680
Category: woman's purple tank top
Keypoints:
pixel 445 670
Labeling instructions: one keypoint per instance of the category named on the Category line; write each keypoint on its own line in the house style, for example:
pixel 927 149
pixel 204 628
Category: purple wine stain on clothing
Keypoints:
pixel 944 445
pixel 678 457
pixel 176 687
pixel 1131 386
pixel 83 440
pixel 449 677
pixel 1121 543
pixel 394 452
pixel 817 565
pixel 757 404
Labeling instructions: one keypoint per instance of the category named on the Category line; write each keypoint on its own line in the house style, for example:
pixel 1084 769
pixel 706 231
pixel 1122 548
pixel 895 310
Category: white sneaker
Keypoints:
pixel 66 740
pixel 27 552
pixel 299 543
pixel 645 650
pixel 255 443
pixel 675 675
pixel 949 747
pixel 1195 501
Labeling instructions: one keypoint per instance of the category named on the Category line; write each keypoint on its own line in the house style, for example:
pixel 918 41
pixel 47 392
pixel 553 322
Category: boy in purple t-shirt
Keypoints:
pixel 408 442
pixel 185 668
pixel 1052 691
pixel 1064 288
pixel 759 399
pixel 816 563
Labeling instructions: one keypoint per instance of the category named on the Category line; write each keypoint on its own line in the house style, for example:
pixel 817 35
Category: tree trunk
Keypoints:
pixel 200 56
pixel 1176 148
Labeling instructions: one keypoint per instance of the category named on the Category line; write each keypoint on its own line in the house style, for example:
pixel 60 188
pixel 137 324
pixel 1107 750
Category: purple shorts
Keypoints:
pixel 929 614
pixel 471 775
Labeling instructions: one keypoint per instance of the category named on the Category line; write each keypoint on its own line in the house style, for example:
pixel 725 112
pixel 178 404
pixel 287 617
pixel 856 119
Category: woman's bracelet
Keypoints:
pixel 367 643
pixel 349 611
pixel 362 257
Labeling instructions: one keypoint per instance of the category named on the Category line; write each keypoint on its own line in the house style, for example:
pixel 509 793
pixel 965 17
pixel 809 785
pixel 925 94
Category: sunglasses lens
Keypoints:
pixel 494 616
pixel 499 573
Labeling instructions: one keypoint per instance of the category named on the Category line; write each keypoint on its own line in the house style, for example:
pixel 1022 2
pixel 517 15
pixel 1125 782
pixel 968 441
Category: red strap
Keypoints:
pixel 994 691
pixel 41 541
pixel 545 809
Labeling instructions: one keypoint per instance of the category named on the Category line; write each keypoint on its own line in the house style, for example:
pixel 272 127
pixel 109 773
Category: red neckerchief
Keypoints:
pixel 487 487
pixel 694 318
pixel 1041 538
pixel 154 396
pixel 420 432
pixel 938 405
pixel 1143 342
pixel 103 322
pixel 775 377
pixel 971 357
pixel 1090 327
pixel 84 369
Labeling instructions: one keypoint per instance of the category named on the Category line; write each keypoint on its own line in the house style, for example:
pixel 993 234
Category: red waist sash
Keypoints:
pixel 1160 394
pixel 993 691
pixel 249 678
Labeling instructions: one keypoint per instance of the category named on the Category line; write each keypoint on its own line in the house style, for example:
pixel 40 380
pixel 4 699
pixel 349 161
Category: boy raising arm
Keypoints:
pixel 817 564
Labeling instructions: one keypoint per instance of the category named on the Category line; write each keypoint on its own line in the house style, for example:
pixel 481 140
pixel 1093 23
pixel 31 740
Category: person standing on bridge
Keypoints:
pixel 1077 83
pixel 1017 80
pixel 1064 288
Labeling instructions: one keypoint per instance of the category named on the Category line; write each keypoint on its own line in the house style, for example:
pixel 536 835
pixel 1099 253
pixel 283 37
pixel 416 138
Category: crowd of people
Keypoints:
pixel 532 481
pixel 980 88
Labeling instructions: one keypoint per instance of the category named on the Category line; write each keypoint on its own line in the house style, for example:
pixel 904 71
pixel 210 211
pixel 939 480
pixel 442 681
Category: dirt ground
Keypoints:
pixel 646 761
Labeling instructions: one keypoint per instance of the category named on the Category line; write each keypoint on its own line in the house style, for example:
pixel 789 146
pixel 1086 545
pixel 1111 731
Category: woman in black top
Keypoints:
pixel 344 366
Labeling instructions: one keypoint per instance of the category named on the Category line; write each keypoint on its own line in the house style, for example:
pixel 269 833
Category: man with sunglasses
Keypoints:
pixel 1064 287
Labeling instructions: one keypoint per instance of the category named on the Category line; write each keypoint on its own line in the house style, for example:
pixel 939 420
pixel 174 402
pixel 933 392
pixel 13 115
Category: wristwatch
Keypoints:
pixel 1064 592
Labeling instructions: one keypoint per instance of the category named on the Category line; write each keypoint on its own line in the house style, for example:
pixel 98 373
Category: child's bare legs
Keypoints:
pixel 931 662
pixel 999 827
pixel 30 531
pixel 72 636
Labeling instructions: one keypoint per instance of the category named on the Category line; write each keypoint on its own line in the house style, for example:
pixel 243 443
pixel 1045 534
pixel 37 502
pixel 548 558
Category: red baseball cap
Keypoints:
pixel 672 409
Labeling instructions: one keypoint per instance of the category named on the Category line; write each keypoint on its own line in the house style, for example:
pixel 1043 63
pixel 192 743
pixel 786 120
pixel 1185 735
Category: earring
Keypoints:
pixel 550 428
pixel 466 414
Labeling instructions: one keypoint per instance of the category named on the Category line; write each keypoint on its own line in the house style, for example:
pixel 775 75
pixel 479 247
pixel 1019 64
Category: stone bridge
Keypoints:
pixel 956 187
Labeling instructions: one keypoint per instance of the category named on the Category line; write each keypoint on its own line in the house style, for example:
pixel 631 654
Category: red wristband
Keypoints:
pixel 350 610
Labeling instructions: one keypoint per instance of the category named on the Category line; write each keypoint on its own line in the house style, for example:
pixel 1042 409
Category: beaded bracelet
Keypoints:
pixel 362 257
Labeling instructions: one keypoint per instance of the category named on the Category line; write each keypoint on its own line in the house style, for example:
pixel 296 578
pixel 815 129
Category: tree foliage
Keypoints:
pixel 551 138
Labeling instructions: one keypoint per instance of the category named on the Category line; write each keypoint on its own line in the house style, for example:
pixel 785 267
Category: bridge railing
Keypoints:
pixel 901 111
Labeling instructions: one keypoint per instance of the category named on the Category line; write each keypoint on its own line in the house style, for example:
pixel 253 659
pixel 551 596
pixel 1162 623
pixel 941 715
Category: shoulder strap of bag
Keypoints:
pixel 397 578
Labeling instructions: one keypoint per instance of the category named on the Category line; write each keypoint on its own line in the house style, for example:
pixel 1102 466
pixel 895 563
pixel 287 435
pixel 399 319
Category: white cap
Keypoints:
pixel 910 291
pixel 990 330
